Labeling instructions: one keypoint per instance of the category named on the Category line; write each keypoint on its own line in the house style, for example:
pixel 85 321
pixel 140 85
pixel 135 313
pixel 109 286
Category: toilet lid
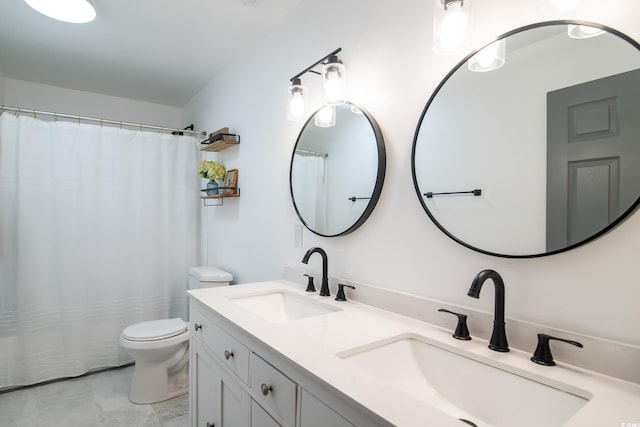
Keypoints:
pixel 155 330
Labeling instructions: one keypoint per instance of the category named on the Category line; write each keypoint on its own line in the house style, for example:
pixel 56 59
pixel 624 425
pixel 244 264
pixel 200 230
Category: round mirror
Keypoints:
pixel 540 154
pixel 337 171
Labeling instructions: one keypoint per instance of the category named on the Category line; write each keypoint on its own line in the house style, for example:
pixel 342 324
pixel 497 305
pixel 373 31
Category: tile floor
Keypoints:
pixel 90 401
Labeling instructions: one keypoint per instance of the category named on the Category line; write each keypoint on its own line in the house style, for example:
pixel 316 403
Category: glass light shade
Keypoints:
pixel 297 101
pixel 564 5
pixel 583 31
pixel 333 81
pixel 72 11
pixel 489 58
pixel 326 117
pixel 451 22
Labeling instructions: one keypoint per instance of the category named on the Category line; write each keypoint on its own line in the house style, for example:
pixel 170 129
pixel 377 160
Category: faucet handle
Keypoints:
pixel 340 296
pixel 310 286
pixel 542 355
pixel 461 332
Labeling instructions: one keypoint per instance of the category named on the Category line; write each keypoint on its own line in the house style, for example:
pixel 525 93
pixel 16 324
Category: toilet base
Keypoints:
pixel 151 384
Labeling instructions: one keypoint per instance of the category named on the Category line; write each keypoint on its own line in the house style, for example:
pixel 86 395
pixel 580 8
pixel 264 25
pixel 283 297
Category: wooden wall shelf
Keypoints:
pixel 221 140
pixel 219 196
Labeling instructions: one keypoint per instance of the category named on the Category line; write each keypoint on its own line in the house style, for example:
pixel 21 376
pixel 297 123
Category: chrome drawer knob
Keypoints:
pixel 228 354
pixel 265 389
pixel 197 327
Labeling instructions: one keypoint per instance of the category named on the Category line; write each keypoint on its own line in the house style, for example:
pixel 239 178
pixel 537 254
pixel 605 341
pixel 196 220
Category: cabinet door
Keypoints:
pixel 260 417
pixel 203 386
pixel 314 413
pixel 233 402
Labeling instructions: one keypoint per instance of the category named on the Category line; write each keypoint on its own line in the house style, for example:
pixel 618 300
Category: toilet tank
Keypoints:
pixel 208 277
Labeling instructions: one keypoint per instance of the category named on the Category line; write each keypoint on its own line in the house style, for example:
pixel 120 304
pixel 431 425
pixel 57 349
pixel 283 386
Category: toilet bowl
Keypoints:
pixel 160 348
pixel 161 351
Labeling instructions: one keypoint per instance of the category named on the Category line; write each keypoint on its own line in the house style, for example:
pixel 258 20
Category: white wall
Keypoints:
pixel 41 97
pixel 592 290
pixel 2 88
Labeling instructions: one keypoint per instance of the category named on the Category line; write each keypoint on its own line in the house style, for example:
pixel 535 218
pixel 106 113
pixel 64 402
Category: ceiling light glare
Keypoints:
pixel 72 11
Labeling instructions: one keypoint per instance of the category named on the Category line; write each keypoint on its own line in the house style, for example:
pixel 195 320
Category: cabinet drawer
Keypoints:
pixel 227 349
pixel 275 391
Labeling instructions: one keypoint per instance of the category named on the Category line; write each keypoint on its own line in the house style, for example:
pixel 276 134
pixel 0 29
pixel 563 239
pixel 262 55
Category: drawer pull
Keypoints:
pixel 265 389
pixel 197 327
pixel 211 425
pixel 228 354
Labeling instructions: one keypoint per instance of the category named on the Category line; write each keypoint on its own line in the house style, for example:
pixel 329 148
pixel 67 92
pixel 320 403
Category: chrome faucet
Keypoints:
pixel 498 340
pixel 324 288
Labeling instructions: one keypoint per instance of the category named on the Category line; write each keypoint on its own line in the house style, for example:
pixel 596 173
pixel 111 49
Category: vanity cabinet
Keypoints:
pixel 233 385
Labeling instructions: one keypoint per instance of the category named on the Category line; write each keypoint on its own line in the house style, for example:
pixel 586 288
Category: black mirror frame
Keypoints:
pixel 605 230
pixel 377 189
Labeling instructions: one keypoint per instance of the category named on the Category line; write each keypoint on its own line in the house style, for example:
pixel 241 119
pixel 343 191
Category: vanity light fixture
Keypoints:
pixel 451 25
pixel 326 117
pixel 333 83
pixel 72 11
pixel 583 31
pixel 298 101
pixel 488 58
pixel 333 80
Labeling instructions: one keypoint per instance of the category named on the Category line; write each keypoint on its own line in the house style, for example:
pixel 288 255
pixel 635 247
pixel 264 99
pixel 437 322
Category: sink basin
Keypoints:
pixel 282 306
pixel 468 389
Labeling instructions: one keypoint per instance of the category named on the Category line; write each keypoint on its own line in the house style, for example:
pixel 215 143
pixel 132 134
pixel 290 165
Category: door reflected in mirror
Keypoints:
pixel 551 139
pixel 337 172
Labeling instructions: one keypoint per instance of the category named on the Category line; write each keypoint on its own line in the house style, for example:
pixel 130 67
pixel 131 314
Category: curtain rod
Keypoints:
pixel 19 111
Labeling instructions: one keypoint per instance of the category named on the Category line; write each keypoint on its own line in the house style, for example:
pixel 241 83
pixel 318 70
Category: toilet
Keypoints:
pixel 160 348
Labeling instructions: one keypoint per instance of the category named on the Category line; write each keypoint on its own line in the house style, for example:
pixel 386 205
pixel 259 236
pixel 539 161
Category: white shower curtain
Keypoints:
pixel 98 227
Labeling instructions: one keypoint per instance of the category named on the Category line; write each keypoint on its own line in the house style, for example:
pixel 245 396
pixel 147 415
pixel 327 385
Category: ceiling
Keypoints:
pixel 160 51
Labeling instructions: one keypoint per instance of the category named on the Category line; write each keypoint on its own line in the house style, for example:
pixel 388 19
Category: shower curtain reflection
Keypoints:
pixel 97 229
pixel 308 180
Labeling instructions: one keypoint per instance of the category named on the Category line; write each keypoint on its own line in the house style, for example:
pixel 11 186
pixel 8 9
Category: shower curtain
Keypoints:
pixel 98 227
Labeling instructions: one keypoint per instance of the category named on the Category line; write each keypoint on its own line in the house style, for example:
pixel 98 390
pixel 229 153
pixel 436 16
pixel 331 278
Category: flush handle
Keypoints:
pixel 211 425
pixel 228 354
pixel 265 389
pixel 197 326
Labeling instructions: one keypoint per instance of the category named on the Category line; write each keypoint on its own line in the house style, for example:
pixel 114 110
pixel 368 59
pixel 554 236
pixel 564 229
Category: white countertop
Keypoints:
pixel 313 342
